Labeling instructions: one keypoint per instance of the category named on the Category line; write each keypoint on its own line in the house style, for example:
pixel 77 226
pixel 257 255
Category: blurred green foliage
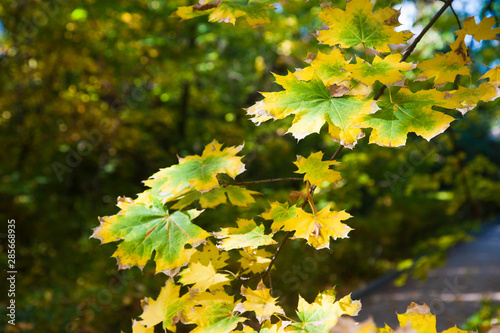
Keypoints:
pixel 98 95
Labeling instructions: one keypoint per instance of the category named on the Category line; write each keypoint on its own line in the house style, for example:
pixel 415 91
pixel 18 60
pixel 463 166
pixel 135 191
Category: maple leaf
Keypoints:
pixel 210 254
pixel 493 75
pixel 386 71
pixel 138 328
pixel 279 213
pixel 166 308
pixel 312 105
pixel 317 228
pixel 418 317
pixel 213 313
pixel 196 171
pixel 247 234
pixel 316 170
pixel 359 25
pixel 468 98
pixel 444 68
pixel 228 11
pixel 330 68
pixel 408 112
pixel 238 196
pixel 260 301
pixel 321 315
pixel 254 261
pixel 349 325
pixel 143 229
pixel 203 277
pixel 482 31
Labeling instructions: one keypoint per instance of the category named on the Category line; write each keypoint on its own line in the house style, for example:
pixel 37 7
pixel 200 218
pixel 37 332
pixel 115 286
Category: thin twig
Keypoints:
pixel 411 48
pixel 268 181
pixel 280 246
pixel 456 16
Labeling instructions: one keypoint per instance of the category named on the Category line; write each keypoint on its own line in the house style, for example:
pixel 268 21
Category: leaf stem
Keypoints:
pixel 268 181
pixel 456 16
pixel 411 48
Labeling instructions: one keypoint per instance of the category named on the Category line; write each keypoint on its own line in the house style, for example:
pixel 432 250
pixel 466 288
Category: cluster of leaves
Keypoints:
pixel 202 288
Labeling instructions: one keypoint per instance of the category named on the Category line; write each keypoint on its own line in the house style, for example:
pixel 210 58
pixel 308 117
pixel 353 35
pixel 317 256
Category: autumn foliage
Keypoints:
pixel 227 272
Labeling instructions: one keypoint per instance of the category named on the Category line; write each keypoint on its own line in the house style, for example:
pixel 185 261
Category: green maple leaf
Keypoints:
pixel 279 213
pixel 143 229
pixel 247 234
pixel 408 112
pixel 213 313
pixel 312 105
pixel 199 172
pixel 321 315
pixel 359 25
pixel 228 11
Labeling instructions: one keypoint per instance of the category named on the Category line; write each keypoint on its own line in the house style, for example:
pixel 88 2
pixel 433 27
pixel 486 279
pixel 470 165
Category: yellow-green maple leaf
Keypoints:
pixel 444 68
pixel 408 112
pixel 468 98
pixel 321 315
pixel 238 196
pixel 196 171
pixel 279 213
pixel 228 11
pixel 330 68
pixel 166 308
pixel 260 301
pixel 213 313
pixel 493 75
pixel 144 229
pixel 359 25
pixel 312 105
pixel 482 31
pixel 387 70
pixel 203 277
pixel 254 261
pixel 316 170
pixel 247 234
pixel 317 228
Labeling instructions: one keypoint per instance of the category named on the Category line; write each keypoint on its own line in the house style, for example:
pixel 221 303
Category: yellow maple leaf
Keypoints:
pixel 482 31
pixel 386 71
pixel 330 68
pixel 137 328
pixel 493 75
pixel 316 170
pixel 317 228
pixel 254 261
pixel 443 67
pixel 468 98
pixel 166 308
pixel 209 255
pixel 203 277
pixel 260 301
pixel 418 317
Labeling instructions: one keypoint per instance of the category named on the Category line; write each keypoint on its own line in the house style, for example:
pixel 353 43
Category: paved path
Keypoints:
pixel 453 292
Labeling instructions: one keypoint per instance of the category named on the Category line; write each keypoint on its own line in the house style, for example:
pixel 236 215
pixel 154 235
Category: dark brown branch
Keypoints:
pixel 268 181
pixel 411 48
pixel 280 246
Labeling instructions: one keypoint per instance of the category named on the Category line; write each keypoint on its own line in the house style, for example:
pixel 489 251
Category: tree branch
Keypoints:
pixel 267 181
pixel 411 48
